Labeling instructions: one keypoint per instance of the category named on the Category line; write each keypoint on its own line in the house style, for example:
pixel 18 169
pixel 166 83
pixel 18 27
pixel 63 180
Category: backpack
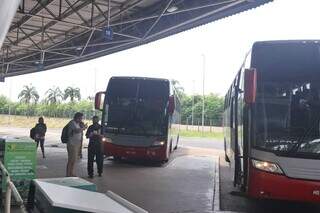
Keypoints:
pixel 33 133
pixel 65 134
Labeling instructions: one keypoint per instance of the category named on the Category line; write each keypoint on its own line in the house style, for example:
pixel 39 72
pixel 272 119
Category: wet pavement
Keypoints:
pixel 184 184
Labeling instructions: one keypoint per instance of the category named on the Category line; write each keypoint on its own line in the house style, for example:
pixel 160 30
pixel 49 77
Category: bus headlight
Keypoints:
pixel 158 143
pixel 266 166
pixel 106 140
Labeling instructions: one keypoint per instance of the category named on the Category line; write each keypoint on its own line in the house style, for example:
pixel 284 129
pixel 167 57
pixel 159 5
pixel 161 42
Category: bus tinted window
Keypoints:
pixel 288 100
pixel 137 106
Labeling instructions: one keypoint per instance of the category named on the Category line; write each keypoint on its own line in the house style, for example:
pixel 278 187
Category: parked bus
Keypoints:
pixel 271 122
pixel 140 118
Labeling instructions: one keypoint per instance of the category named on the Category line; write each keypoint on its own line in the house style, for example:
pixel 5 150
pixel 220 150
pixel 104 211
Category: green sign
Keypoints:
pixel 20 161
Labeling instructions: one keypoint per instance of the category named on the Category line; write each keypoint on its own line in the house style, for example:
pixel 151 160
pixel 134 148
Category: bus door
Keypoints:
pixel 234 136
pixel 236 132
pixel 242 147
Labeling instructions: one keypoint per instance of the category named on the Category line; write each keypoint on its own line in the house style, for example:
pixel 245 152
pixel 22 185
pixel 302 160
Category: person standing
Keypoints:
pixel 40 133
pixel 74 142
pixel 94 148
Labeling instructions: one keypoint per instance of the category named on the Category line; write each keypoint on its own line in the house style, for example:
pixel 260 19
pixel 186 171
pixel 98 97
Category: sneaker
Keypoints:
pixel 100 174
pixel 90 176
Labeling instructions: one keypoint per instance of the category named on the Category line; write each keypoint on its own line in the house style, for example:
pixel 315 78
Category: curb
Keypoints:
pixel 216 187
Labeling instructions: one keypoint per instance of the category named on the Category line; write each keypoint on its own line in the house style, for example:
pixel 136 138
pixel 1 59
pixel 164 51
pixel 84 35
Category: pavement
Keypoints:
pixel 184 184
pixel 190 182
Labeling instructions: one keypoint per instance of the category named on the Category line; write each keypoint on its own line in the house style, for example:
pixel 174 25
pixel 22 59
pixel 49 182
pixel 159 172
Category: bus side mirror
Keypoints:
pixel 99 100
pixel 250 85
pixel 171 106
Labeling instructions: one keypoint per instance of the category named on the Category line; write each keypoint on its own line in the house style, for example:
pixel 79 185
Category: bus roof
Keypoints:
pixel 285 42
pixel 286 57
pixel 138 78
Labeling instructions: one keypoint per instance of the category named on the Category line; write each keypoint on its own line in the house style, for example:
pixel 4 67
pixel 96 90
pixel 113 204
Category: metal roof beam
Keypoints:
pixel 199 17
pixel 85 46
pixel 76 11
pixel 93 45
pixel 29 37
pixel 50 24
pixel 158 19
pixel 49 11
pixel 34 10
pixel 172 13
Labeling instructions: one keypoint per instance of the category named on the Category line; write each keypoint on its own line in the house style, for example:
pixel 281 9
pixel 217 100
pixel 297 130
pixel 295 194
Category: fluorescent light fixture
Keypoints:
pixel 172 9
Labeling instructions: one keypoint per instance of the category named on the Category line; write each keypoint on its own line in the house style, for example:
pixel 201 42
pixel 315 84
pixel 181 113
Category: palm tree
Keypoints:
pixel 178 88
pixel 72 93
pixel 28 94
pixel 54 95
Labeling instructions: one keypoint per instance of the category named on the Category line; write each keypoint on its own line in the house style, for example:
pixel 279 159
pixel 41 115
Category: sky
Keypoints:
pixel 218 48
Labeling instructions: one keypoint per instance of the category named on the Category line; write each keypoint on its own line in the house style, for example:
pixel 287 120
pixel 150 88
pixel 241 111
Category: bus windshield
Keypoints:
pixel 136 106
pixel 287 110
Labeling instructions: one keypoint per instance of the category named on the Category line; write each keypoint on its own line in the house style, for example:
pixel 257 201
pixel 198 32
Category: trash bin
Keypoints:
pixel 47 197
pixel 74 182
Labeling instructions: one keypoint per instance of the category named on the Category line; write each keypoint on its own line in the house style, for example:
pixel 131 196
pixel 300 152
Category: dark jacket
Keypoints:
pixel 93 138
pixel 40 129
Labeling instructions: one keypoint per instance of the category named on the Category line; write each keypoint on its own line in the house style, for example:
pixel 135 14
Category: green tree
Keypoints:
pixel 54 95
pixel 28 94
pixel 213 109
pixel 178 88
pixel 4 104
pixel 72 93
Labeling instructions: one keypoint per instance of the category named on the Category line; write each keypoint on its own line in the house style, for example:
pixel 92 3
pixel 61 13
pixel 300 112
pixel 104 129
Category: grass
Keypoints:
pixel 29 122
pixel 196 134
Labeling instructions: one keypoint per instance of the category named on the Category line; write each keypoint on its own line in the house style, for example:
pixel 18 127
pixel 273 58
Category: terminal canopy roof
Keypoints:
pixel 46 34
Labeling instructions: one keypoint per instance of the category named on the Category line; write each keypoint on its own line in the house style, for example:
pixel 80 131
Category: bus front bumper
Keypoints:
pixel 266 185
pixel 150 153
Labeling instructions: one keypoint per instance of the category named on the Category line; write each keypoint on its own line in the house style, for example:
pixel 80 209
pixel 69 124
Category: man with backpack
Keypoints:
pixel 94 148
pixel 73 140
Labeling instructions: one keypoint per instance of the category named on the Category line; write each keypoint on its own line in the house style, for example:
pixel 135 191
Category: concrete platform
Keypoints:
pixel 184 184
